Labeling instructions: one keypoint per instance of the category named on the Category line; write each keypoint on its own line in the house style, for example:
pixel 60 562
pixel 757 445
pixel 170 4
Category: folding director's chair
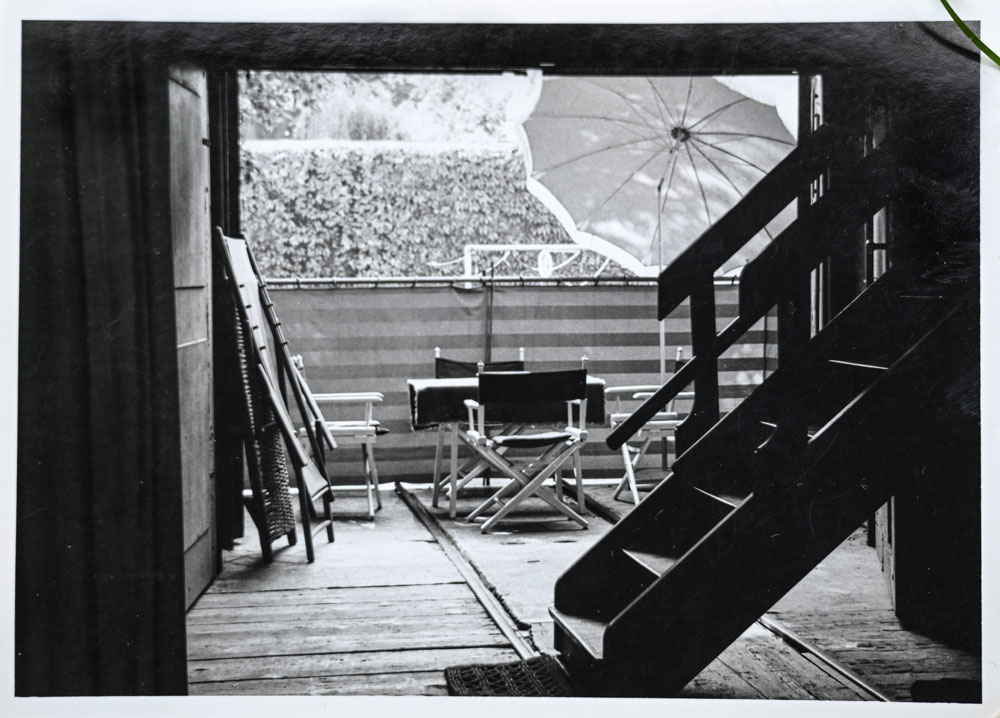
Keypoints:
pixel 624 400
pixel 445 368
pixel 522 399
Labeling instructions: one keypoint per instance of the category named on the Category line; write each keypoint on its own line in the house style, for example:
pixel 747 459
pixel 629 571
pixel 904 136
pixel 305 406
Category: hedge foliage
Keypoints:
pixel 387 209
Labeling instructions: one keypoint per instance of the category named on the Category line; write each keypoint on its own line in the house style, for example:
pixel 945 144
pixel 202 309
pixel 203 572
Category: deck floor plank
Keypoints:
pixel 357 625
pixel 780 672
pixel 366 595
pixel 423 683
pixel 337 612
pixel 718 680
pixel 344 664
pixel 382 611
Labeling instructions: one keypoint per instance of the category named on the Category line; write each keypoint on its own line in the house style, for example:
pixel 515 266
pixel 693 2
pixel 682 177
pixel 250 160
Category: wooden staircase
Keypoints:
pixel 758 497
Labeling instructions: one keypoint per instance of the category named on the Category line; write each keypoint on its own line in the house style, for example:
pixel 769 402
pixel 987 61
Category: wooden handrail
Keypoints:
pixel 676 383
pixel 862 190
pixel 758 207
pixel 859 189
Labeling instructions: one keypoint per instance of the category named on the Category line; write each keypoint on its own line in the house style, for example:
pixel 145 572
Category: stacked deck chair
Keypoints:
pixel 269 375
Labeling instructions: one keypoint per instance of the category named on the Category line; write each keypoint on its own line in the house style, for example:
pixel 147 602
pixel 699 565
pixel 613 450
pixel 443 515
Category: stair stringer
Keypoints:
pixel 683 620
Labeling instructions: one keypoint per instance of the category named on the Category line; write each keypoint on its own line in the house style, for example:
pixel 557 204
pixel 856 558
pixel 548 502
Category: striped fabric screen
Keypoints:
pixel 374 339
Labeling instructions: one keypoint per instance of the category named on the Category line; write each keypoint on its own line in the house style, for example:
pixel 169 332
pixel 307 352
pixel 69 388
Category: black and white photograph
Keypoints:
pixel 616 358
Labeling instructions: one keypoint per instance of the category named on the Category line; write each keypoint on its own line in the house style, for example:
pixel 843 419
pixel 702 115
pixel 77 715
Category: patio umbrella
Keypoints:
pixel 638 167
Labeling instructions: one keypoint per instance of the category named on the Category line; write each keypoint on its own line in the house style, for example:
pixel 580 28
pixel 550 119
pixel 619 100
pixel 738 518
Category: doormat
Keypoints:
pixel 540 677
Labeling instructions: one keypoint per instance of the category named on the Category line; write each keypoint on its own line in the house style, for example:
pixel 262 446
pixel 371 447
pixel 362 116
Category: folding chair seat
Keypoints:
pixel 661 427
pixel 362 431
pixel 522 399
pixel 445 368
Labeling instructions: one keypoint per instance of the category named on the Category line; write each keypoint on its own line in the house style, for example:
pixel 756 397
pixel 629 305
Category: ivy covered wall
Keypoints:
pixel 362 209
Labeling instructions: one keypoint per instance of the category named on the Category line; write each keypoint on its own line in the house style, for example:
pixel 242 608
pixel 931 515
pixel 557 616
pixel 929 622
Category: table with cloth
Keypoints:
pixel 441 401
pixel 434 402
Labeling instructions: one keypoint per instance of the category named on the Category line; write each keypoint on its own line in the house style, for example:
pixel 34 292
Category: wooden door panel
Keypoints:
pixel 191 229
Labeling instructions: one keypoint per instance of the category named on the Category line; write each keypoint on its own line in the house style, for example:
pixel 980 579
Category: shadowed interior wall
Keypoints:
pixel 374 339
pixel 99 596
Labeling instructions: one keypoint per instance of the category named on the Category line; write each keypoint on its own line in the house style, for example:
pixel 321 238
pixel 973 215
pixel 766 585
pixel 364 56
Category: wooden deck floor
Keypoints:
pixel 383 611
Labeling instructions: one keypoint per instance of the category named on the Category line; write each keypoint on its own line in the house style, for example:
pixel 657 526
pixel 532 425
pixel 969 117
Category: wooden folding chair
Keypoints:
pixel 256 314
pixel 660 427
pixel 522 399
pixel 474 467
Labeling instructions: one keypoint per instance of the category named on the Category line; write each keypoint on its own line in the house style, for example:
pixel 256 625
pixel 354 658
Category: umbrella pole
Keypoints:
pixel 659 239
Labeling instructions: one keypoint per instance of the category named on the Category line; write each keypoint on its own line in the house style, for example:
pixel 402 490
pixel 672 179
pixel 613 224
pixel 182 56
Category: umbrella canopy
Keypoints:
pixel 637 168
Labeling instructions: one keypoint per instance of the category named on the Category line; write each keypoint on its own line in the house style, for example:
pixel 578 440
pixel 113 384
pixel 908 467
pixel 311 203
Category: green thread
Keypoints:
pixel 971 35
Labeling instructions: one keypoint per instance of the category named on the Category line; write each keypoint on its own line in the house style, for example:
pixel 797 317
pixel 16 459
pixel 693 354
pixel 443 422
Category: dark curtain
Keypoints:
pixel 99 565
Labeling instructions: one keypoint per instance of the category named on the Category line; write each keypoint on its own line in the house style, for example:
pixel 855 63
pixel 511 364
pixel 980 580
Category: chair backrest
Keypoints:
pixel 454 369
pixel 271 349
pixel 530 396
pixel 240 264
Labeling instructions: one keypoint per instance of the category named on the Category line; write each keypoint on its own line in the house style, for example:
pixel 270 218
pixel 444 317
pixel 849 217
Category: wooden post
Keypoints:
pixel 705 409
pixel 775 461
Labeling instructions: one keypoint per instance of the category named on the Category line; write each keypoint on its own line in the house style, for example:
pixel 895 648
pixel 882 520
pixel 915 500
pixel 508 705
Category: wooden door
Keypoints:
pixel 191 229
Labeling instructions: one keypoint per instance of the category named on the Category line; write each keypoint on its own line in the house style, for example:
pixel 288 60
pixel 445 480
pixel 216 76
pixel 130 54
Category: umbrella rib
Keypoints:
pixel 697 181
pixel 661 103
pixel 594 153
pixel 618 189
pixel 687 101
pixel 719 170
pixel 628 103
pixel 728 179
pixel 746 135
pixel 731 154
pixel 722 141
pixel 717 111
pixel 596 118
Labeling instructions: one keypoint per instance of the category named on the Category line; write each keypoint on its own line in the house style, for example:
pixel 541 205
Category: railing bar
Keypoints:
pixel 673 386
pixel 676 383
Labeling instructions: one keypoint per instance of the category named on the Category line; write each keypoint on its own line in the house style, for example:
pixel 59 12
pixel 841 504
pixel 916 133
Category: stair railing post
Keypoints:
pixel 705 407
pixel 776 461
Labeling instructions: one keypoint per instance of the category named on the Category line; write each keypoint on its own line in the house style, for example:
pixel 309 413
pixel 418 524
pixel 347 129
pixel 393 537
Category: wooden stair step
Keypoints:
pixel 656 564
pixel 674 528
pixel 585 632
